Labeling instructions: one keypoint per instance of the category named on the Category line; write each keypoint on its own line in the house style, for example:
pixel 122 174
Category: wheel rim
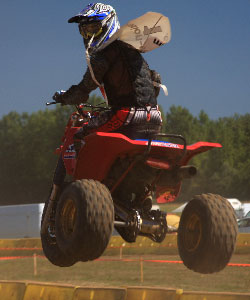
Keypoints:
pixel 68 218
pixel 193 233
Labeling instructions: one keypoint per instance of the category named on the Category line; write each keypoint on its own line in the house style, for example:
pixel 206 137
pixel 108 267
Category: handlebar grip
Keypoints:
pixel 50 103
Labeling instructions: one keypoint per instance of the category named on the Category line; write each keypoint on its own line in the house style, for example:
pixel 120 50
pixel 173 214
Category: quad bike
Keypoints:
pixel 113 181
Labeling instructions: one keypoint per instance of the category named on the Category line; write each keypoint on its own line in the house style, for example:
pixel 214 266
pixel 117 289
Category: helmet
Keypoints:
pixel 99 20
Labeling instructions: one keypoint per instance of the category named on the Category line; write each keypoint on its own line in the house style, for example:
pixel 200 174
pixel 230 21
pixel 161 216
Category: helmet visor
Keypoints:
pixel 88 30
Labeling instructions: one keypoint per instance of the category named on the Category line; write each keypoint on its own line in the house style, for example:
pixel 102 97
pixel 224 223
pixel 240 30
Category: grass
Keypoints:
pixel 121 273
pixel 169 207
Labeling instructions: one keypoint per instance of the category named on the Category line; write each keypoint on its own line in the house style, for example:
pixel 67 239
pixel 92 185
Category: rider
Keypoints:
pixel 130 86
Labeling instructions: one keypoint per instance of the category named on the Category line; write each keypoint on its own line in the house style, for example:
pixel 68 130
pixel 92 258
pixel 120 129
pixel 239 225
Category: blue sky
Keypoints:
pixel 206 66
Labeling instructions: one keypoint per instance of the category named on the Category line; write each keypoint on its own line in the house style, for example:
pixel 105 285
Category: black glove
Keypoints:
pixel 58 96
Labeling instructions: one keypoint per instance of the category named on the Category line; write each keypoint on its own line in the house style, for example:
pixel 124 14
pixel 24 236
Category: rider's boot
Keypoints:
pixel 77 145
pixel 78 139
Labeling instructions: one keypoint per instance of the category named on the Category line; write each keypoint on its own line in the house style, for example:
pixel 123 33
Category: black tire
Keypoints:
pixel 84 219
pixel 207 233
pixel 50 247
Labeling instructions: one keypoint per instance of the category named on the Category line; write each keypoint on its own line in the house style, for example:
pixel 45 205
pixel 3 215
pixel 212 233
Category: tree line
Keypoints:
pixel 28 142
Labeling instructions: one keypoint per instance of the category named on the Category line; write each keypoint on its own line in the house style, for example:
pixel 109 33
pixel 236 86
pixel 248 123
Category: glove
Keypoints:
pixel 58 96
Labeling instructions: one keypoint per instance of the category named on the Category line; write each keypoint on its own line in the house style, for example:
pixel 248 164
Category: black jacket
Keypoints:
pixel 124 73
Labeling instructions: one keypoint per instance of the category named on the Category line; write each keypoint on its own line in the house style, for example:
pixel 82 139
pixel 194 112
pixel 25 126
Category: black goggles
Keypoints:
pixel 88 30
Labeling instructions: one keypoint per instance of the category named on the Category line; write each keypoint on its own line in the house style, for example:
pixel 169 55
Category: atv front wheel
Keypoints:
pixel 207 233
pixel 84 219
pixel 49 243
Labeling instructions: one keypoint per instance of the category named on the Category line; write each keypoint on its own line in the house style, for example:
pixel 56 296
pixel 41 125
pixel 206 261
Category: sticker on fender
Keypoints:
pixel 70 152
pixel 169 145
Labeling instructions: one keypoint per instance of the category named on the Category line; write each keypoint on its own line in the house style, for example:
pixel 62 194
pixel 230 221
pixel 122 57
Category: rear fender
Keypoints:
pixel 102 149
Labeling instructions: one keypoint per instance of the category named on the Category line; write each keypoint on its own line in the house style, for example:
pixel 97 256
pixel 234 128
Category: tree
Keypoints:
pixel 180 121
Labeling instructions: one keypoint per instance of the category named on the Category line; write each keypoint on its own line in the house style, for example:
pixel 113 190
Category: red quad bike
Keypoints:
pixel 113 180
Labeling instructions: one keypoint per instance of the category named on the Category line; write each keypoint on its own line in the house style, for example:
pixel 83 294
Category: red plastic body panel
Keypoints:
pixel 102 149
pixel 68 151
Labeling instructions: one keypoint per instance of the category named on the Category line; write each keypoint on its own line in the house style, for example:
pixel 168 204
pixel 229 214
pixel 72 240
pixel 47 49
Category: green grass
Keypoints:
pixel 169 207
pixel 121 273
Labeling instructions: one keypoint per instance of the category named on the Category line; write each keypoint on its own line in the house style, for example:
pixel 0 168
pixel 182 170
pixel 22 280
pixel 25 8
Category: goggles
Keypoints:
pixel 88 30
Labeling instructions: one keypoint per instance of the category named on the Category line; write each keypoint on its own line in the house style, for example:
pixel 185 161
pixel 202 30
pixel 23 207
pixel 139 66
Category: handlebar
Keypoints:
pixel 79 107
pixel 84 105
pixel 50 103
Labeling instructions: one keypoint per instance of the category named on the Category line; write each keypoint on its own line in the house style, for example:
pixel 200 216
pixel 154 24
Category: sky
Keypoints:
pixel 206 65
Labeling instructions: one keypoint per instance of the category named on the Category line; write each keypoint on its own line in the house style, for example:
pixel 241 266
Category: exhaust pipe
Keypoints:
pixel 186 172
pixel 173 177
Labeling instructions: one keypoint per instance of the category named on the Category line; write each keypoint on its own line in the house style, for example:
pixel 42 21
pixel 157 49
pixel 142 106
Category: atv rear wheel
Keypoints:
pixel 49 244
pixel 207 233
pixel 84 219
